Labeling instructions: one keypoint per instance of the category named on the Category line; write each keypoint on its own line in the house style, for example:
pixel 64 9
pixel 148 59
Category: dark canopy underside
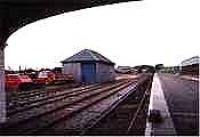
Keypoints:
pixel 15 14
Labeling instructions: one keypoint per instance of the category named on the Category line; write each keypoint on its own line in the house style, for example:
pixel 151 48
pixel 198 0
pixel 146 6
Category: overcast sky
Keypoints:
pixel 133 33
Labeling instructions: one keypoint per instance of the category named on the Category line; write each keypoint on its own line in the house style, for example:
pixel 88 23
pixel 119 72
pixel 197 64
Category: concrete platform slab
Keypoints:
pixel 158 102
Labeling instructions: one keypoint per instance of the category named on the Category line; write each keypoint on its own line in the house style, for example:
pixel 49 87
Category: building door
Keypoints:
pixel 88 72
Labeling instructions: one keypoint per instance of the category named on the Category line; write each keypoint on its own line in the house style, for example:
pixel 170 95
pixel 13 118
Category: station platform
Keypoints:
pixel 174 106
pixel 159 121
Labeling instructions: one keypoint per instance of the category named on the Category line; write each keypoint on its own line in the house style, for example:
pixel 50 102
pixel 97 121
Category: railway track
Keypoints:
pixel 37 102
pixel 83 111
pixel 53 112
pixel 24 104
pixel 127 118
pixel 23 95
pixel 33 96
pixel 81 123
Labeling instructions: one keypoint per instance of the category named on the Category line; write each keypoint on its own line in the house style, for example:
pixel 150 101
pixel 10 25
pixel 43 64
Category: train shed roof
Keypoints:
pixel 15 14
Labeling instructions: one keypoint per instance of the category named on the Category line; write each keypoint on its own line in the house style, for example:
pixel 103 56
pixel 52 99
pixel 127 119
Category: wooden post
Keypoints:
pixel 2 87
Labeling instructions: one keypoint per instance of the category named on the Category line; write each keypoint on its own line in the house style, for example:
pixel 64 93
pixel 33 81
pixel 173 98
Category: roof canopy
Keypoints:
pixel 87 55
pixel 191 61
pixel 15 14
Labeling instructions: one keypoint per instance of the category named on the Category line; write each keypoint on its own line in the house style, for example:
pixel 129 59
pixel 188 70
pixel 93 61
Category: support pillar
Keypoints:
pixel 2 87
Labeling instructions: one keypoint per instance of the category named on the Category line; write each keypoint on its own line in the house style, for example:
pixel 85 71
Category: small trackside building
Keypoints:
pixel 88 66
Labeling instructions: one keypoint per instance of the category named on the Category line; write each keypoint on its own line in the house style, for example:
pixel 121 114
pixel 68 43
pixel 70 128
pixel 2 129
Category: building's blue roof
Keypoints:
pixel 87 55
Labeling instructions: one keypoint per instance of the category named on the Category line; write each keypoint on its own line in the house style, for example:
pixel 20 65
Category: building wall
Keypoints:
pixel 104 72
pixel 75 69
pixel 190 69
pixel 190 66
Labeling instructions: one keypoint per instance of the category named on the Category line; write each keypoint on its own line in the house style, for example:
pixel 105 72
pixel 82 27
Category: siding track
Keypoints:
pixel 81 111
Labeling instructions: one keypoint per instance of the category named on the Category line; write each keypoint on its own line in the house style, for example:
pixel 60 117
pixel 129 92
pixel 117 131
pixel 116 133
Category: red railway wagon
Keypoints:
pixel 49 77
pixel 18 82
pixel 45 78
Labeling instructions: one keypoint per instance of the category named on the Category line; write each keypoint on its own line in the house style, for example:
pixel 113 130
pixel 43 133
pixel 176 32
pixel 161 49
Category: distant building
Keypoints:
pixel 123 69
pixel 170 69
pixel 88 66
pixel 190 66
pixel 144 69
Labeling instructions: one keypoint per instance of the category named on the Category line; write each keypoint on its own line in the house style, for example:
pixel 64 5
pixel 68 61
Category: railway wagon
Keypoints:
pixel 18 82
pixel 49 77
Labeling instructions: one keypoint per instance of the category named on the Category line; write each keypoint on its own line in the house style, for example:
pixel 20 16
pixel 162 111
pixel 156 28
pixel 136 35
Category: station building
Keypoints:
pixel 88 66
pixel 190 66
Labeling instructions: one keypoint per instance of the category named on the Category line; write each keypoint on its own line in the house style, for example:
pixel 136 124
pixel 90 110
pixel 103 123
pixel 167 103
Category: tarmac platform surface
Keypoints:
pixel 178 101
